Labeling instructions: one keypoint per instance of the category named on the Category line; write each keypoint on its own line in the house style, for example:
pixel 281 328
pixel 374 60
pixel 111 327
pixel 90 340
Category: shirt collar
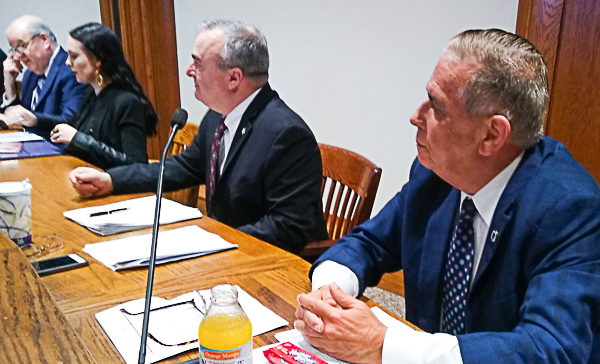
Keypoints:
pixel 487 198
pixel 232 120
pixel 51 60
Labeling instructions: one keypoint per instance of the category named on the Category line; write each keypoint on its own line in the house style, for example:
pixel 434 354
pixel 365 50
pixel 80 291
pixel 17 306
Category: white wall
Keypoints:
pixel 355 70
pixel 61 15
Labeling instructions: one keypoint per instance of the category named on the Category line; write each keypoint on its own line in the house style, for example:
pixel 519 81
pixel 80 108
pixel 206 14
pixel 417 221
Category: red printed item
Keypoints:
pixel 288 353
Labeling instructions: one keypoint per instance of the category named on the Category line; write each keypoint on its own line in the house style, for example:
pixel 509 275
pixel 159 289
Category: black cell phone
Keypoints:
pixel 58 264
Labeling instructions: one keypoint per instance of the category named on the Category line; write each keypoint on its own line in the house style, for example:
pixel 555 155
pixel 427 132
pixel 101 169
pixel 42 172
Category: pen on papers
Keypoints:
pixel 108 212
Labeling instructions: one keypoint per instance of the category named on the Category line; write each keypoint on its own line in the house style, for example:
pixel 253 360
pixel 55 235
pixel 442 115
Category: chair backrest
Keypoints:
pixel 350 184
pixel 183 138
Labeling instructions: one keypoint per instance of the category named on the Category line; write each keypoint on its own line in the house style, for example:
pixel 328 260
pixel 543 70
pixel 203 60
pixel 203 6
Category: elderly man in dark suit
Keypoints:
pixel 48 86
pixel 497 230
pixel 260 162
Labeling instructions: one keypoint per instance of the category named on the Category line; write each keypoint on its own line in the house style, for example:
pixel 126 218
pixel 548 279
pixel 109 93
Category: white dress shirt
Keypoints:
pixel 6 102
pixel 406 345
pixel 232 121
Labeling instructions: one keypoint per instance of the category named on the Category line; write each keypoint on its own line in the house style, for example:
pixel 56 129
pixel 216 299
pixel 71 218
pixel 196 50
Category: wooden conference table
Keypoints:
pixel 32 325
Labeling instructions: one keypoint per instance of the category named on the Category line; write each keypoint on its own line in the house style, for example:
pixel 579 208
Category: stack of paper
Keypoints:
pixel 173 325
pixel 20 136
pixel 130 215
pixel 172 245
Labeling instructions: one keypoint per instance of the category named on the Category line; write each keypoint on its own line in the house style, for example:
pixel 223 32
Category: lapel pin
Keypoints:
pixel 494 235
pixel 243 130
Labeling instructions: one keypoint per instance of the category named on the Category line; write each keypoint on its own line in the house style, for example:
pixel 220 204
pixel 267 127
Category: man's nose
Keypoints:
pixel 191 72
pixel 418 116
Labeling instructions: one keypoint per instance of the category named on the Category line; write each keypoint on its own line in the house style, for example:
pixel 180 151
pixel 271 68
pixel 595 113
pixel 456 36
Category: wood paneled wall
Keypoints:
pixel 568 34
pixel 147 30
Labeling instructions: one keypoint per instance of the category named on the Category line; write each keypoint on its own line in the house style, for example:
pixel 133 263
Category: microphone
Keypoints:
pixel 178 120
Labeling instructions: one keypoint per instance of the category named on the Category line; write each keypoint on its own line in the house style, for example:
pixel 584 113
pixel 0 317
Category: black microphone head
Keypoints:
pixel 179 118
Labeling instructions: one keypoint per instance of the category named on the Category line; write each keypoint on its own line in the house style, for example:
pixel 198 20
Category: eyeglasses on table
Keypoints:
pixel 42 245
pixel 191 304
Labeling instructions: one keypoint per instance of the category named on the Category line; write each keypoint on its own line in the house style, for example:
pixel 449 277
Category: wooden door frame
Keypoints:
pixel 147 32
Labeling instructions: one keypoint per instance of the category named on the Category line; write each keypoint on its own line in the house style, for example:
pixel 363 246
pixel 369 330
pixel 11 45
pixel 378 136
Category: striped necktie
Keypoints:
pixel 35 99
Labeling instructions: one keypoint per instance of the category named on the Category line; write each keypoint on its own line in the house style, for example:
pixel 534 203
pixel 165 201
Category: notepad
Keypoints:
pixel 133 214
pixel 175 327
pixel 172 245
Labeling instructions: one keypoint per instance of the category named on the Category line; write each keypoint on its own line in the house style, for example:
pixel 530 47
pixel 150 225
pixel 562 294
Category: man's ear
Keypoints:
pixel 45 39
pixel 497 135
pixel 235 77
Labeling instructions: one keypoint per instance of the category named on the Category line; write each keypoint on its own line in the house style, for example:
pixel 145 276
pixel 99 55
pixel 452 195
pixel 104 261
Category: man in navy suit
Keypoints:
pixel 48 86
pixel 267 165
pixel 497 230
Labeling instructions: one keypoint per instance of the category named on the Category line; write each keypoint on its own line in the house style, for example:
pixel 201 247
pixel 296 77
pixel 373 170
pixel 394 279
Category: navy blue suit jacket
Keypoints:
pixel 270 187
pixel 536 294
pixel 61 94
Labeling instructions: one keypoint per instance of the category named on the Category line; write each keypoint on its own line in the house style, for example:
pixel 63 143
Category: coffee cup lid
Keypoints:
pixel 10 188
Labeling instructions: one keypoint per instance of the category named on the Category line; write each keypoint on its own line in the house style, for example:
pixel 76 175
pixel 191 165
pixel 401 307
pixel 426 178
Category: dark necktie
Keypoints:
pixel 217 142
pixel 459 266
pixel 35 99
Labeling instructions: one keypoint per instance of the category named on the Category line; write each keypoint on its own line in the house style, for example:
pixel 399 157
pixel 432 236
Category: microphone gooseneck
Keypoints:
pixel 178 120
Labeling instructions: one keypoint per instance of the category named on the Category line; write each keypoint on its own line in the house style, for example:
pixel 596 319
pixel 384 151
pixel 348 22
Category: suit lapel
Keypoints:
pixel 433 258
pixel 245 127
pixel 504 210
pixel 54 68
pixel 27 87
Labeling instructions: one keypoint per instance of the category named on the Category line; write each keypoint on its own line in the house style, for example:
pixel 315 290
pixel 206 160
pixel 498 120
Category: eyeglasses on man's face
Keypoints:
pixel 168 315
pixel 23 46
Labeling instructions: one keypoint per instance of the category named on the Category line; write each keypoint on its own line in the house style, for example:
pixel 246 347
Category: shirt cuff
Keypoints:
pixel 329 271
pixel 402 344
pixel 5 102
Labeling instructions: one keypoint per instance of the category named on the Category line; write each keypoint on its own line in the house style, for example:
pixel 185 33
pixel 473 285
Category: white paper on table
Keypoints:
pixel 172 245
pixel 139 214
pixel 20 136
pixel 125 332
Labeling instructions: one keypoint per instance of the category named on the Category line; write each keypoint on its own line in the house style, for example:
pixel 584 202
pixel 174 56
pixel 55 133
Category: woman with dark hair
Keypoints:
pixel 115 116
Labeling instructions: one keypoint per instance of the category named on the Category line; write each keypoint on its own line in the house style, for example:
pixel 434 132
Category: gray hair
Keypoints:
pixel 245 47
pixel 510 78
pixel 35 26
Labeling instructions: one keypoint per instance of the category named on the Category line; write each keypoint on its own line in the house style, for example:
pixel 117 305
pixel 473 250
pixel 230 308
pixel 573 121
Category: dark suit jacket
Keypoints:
pixel 536 294
pixel 61 94
pixel 2 58
pixel 111 128
pixel 271 182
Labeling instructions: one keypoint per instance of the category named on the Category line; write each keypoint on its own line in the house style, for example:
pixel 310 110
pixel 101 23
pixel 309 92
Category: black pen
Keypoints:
pixel 108 212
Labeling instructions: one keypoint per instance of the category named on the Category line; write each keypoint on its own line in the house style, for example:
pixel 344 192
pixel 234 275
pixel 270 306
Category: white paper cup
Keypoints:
pixel 15 211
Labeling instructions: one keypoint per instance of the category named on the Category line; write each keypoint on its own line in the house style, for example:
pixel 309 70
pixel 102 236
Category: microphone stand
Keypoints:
pixel 152 264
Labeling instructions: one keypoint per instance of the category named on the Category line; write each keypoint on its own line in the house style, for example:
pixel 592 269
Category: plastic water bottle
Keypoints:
pixel 225 334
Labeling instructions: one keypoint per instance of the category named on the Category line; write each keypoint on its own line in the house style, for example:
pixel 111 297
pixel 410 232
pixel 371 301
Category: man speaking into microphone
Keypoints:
pixel 258 159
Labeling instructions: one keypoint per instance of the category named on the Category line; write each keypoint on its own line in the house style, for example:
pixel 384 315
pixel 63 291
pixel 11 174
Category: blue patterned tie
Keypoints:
pixel 35 99
pixel 458 271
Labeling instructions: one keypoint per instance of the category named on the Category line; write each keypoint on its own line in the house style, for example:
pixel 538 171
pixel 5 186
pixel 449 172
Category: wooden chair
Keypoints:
pixel 186 196
pixel 349 186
